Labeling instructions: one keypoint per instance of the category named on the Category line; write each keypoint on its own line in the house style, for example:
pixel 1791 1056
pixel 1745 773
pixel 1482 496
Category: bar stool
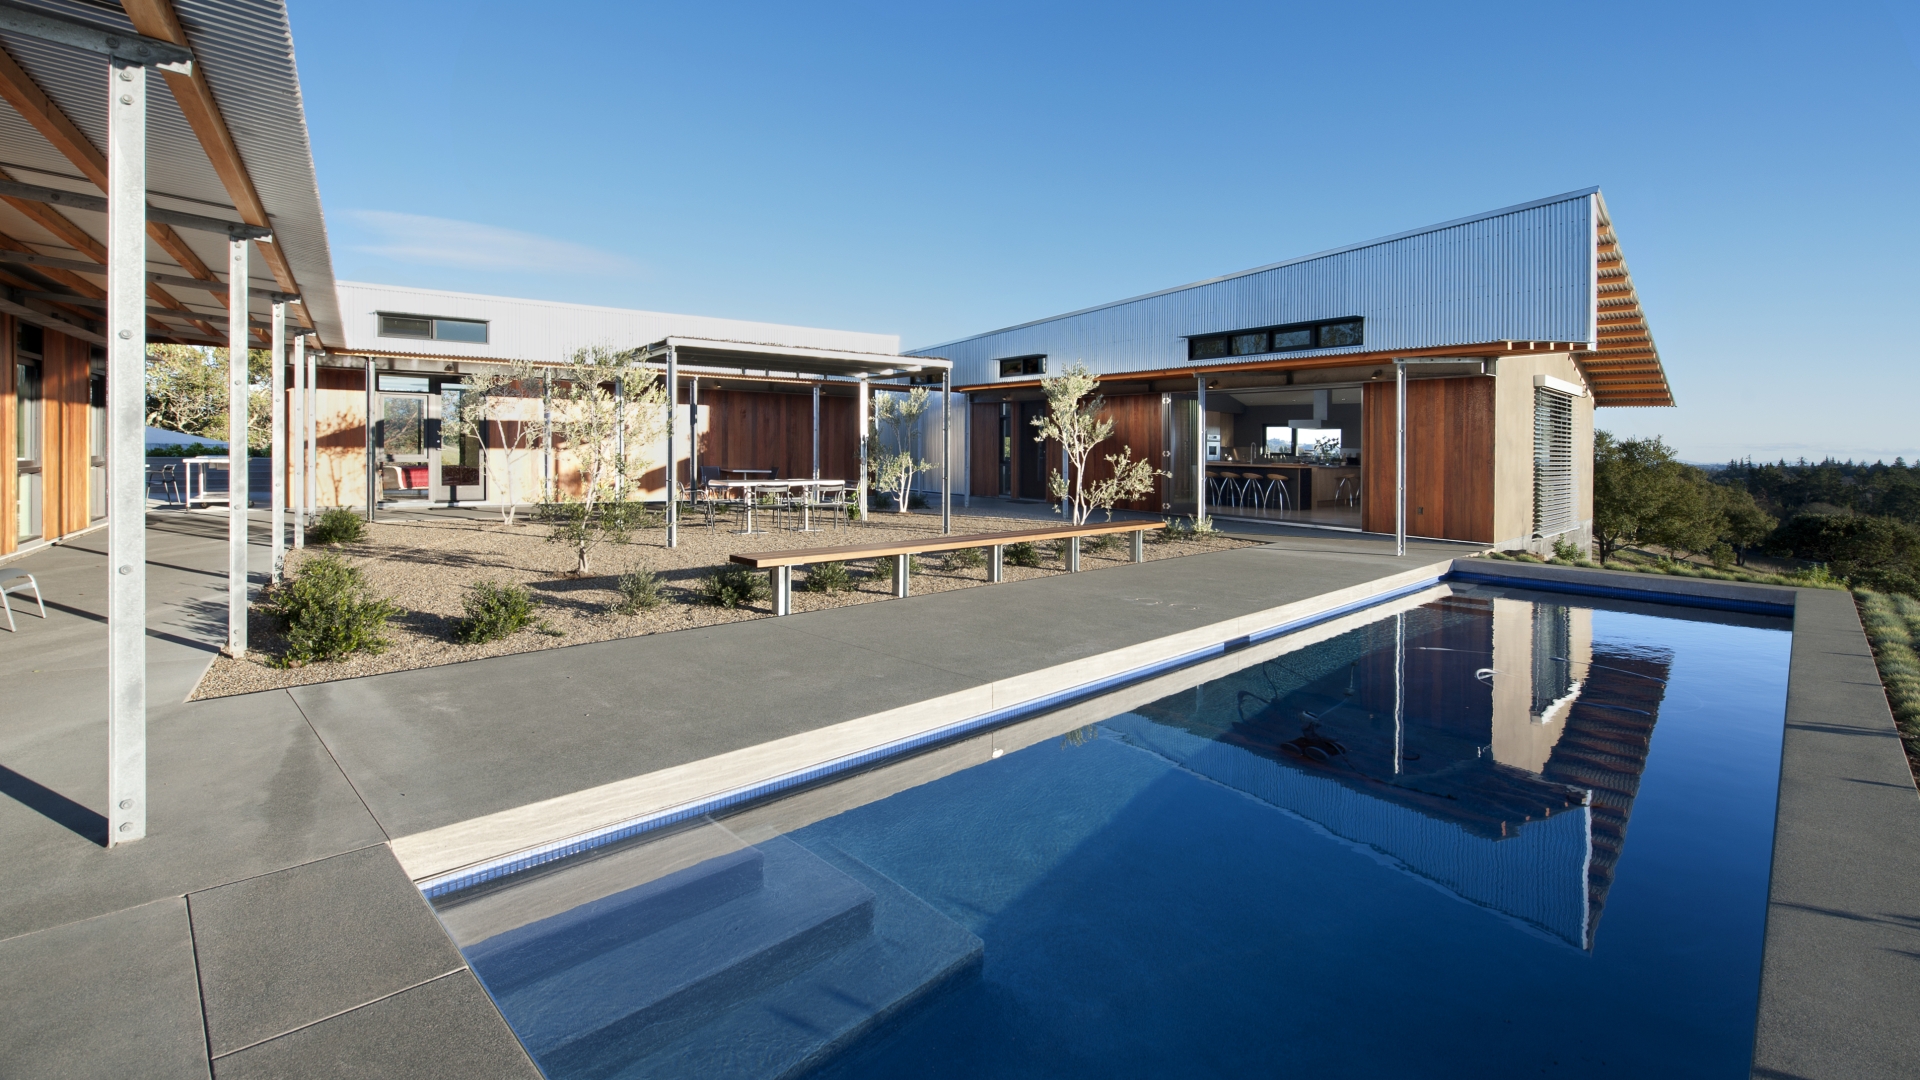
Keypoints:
pixel 1348 491
pixel 1277 493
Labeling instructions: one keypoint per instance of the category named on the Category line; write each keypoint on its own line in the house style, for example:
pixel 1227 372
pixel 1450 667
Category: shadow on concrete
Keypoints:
pixel 53 806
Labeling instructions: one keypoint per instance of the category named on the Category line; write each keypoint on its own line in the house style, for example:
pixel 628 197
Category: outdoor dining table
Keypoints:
pixel 753 488
pixel 203 465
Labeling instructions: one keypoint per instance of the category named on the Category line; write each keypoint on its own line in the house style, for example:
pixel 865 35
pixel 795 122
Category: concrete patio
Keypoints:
pixel 265 926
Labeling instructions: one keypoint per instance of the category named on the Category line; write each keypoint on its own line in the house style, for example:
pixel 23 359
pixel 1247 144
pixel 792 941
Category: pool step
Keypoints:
pixel 565 920
pixel 913 954
pixel 622 1002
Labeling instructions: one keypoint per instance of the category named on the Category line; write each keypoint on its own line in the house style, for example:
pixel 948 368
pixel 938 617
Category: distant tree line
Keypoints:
pixel 1861 520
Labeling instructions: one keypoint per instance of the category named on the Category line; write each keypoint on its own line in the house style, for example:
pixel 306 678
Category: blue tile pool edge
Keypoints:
pixel 527 859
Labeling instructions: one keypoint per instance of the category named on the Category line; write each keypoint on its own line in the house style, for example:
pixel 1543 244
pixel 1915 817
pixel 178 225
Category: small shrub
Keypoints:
pixel 966 559
pixel 494 611
pixel 1721 555
pixel 732 586
pixel 883 567
pixel 828 577
pixel 1565 550
pixel 337 526
pixel 327 612
pixel 1022 554
pixel 639 591
pixel 1094 545
pixel 1188 529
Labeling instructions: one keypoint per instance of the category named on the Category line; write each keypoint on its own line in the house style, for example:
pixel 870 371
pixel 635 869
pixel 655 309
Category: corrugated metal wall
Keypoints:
pixel 546 331
pixel 1525 273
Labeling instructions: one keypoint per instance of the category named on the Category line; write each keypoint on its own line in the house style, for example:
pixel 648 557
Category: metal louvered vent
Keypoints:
pixel 1552 461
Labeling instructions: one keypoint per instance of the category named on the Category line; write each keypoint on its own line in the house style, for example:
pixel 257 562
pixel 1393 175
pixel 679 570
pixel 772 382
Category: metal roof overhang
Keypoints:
pixel 227 142
pixel 745 358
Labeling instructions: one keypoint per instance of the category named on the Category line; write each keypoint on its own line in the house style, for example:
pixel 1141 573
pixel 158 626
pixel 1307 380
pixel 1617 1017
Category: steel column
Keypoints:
pixel 126 463
pixel 997 563
pixel 673 467
pixel 693 439
pixel 1399 457
pixel 782 589
pixel 277 444
pixel 237 486
pixel 297 442
pixel 861 418
pixel 816 431
pixel 966 449
pixel 373 466
pixel 547 479
pixel 1200 452
pixel 946 453
pixel 313 426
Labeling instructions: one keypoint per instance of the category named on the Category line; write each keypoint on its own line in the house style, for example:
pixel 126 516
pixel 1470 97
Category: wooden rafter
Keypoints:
pixel 33 104
pixel 1624 366
pixel 157 19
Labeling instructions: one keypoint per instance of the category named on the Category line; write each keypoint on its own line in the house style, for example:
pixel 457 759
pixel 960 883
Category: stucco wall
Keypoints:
pixel 1513 449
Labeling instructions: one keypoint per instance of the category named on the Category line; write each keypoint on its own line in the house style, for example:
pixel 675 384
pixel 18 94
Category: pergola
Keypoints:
pixel 687 360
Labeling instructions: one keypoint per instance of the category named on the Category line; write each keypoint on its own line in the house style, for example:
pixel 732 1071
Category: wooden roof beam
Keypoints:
pixel 33 105
pixel 157 19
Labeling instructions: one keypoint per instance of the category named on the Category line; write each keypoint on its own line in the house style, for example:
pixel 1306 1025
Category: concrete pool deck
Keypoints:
pixel 266 926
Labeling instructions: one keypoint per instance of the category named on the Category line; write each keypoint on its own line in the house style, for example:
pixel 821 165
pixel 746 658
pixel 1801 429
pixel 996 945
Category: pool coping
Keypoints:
pixel 466 853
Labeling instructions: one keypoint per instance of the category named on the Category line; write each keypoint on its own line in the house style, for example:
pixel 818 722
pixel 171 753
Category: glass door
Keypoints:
pixel 456 456
pixel 405 472
pixel 29 441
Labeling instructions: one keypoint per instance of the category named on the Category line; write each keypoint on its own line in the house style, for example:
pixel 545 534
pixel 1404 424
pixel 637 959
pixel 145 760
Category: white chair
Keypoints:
pixel 7 590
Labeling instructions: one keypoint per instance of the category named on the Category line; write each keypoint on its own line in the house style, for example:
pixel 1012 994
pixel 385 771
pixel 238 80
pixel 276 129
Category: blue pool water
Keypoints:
pixel 1495 834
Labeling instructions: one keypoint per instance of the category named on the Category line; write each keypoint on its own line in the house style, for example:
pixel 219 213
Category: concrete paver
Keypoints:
pixel 109 996
pixel 283 950
pixel 447 1029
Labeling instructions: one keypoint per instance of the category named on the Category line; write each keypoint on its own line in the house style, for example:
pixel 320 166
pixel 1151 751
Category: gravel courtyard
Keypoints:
pixel 427 567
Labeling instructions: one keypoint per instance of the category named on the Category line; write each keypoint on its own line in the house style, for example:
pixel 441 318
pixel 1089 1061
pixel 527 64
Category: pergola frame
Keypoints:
pixel 710 357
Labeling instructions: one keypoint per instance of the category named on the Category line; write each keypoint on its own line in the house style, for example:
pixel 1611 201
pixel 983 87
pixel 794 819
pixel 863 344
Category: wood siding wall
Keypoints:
pixel 745 429
pixel 69 464
pixel 1137 426
pixel 983 442
pixel 9 501
pixel 1449 458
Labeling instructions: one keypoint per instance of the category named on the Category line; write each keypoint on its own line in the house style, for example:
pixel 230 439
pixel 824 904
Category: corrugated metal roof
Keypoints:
pixel 245 50
pixel 549 331
pixel 1522 273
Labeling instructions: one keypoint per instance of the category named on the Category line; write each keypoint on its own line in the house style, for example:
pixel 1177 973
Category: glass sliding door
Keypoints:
pixel 461 478
pixel 29 443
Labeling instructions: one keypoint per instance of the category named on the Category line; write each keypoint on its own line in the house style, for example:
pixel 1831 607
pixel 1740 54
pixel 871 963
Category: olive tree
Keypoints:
pixel 892 463
pixel 609 410
pixel 1074 420
pixel 493 402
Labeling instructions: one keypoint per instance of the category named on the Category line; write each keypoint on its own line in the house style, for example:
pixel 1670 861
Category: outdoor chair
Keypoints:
pixel 167 479
pixel 7 590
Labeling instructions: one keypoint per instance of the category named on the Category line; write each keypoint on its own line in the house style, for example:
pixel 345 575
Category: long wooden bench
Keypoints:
pixel 779 564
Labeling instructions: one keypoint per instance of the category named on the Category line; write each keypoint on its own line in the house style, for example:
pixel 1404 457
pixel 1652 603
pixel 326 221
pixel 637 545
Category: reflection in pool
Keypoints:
pixel 1386 851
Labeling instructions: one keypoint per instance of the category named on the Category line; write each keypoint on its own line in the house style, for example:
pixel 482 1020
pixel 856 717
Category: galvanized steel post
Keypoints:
pixel 1200 452
pixel 313 428
pixel 1399 457
pixel 237 485
pixel 946 452
pixel 373 465
pixel 673 467
pixel 860 418
pixel 126 464
pixel 816 431
pixel 277 444
pixel 693 437
pixel 297 441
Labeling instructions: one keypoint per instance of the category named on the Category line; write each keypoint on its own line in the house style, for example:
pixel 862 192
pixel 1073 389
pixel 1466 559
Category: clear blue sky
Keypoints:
pixel 940 171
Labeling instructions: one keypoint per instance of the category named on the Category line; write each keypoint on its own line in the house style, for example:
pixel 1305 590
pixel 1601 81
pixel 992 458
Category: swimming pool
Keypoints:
pixel 1488 832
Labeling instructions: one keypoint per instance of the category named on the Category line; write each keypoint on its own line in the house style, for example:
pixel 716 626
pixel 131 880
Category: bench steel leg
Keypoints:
pixel 997 564
pixel 900 574
pixel 782 589
pixel 1073 554
pixel 1139 545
